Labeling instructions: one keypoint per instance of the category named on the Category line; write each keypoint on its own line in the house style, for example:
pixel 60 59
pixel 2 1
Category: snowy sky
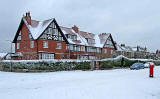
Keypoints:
pixel 133 22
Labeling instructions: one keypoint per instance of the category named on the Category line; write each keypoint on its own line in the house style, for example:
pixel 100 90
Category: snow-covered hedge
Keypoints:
pixel 117 62
pixel 63 65
pixel 46 66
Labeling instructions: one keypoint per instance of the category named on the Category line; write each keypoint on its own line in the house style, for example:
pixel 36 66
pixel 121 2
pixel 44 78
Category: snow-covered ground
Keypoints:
pixel 105 84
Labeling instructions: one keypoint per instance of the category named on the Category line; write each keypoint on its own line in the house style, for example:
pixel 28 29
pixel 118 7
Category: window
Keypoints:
pixel 111 51
pixel 59 46
pixel 78 47
pixel 74 47
pixel 19 36
pixel 45 44
pixel 18 45
pixel 82 48
pixel 71 47
pixel 90 40
pixel 67 48
pixel 46 56
pixel 74 37
pixel 50 31
pixel 105 51
pixel 32 44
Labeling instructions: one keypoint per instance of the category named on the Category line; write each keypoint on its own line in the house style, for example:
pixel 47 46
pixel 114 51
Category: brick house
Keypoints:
pixel 124 50
pixel 47 40
pixel 140 52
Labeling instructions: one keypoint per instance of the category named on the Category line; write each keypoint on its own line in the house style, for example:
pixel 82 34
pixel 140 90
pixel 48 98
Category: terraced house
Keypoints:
pixel 47 40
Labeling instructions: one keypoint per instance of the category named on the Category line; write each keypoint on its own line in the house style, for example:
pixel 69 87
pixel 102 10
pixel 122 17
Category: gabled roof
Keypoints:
pixel 100 38
pixel 124 48
pixel 37 27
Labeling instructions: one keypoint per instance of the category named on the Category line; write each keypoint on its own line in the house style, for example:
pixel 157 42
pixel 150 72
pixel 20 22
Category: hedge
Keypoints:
pixel 58 66
pixel 111 63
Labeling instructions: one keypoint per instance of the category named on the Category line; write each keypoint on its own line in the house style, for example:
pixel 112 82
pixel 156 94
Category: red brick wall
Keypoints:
pixel 25 45
pixel 108 54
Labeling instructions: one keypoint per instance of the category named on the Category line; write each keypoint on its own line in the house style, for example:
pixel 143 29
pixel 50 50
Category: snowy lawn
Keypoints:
pixel 105 84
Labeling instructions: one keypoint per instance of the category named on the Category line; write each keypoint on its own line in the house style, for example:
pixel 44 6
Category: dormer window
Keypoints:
pixel 30 35
pixel 90 40
pixel 73 37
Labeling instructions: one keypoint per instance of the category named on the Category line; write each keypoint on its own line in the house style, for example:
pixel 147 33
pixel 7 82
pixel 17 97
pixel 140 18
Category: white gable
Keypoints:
pixel 37 31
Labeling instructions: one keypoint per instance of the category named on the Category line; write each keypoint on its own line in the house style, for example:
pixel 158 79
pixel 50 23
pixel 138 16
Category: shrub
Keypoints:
pixel 57 66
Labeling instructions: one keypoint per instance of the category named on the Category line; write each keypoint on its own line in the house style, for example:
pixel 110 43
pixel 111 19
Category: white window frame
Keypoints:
pixel 105 51
pixel 19 36
pixel 45 44
pixel 46 55
pixel 59 46
pixel 18 45
pixel 111 51
pixel 32 44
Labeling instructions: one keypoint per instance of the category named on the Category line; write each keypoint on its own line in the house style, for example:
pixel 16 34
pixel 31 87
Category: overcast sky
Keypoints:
pixel 133 22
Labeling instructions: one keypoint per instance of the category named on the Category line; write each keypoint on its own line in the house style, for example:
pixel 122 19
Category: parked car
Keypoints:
pixel 146 65
pixel 137 66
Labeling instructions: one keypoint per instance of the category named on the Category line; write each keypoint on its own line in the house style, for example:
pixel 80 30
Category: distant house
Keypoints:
pixel 140 52
pixel 132 52
pixel 47 40
pixel 158 54
pixel 124 50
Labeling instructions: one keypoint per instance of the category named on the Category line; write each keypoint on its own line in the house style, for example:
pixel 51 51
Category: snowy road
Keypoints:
pixel 106 84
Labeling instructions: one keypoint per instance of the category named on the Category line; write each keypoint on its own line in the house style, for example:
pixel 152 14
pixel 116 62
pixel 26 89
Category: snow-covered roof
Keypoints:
pixel 2 55
pixel 100 38
pixel 36 28
pixel 124 48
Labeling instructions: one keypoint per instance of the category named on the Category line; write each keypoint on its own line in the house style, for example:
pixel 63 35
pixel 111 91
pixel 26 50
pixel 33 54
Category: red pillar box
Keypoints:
pixel 151 68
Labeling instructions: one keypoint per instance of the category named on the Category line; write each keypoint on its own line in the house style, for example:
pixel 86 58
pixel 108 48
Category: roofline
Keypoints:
pixel 54 20
pixel 20 25
pixel 111 40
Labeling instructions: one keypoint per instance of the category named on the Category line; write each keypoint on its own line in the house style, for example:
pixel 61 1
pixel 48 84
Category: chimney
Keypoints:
pixel 28 18
pixel 138 48
pixel 75 28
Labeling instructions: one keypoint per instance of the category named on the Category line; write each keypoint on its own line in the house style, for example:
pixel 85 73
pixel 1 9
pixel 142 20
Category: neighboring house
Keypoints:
pixel 125 51
pixel 140 52
pixel 3 56
pixel 47 40
pixel 158 54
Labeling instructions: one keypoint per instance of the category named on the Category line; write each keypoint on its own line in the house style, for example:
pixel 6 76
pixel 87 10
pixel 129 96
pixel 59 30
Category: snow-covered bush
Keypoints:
pixel 106 64
pixel 49 66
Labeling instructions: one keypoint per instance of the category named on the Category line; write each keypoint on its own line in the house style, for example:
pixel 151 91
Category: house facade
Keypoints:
pixel 47 40
pixel 140 52
pixel 124 50
pixel 132 52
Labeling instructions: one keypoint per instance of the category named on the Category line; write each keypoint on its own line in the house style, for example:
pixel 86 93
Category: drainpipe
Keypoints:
pixel 37 49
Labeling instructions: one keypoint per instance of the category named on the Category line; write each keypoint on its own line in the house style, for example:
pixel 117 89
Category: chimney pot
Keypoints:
pixel 75 28
pixel 28 18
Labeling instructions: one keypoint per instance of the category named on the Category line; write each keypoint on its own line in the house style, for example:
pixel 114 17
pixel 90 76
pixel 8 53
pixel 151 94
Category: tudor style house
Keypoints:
pixel 124 50
pixel 47 40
